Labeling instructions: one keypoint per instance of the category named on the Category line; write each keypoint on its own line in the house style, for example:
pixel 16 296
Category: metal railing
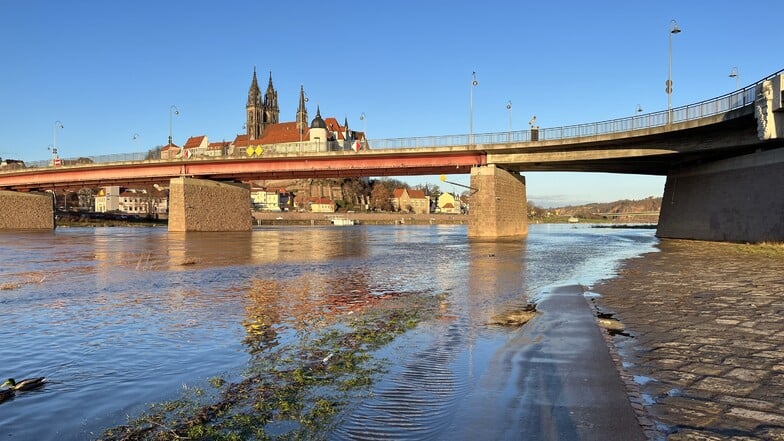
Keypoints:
pixel 714 106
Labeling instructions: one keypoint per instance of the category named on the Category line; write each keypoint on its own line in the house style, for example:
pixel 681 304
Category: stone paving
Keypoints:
pixel 704 355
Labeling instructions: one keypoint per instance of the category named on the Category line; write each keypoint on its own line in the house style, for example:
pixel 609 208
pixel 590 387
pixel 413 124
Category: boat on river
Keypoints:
pixel 342 221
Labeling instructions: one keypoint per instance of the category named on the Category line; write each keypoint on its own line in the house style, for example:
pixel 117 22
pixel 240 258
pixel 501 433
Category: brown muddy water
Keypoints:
pixel 359 332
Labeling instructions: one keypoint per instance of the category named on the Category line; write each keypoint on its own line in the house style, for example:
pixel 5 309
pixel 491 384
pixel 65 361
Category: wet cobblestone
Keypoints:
pixel 704 358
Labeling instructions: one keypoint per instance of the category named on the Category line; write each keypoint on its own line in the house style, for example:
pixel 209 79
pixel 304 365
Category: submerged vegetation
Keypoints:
pixel 289 391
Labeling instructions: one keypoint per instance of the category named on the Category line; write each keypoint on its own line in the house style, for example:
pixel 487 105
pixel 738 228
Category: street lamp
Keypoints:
pixel 509 108
pixel 57 124
pixel 364 127
pixel 474 83
pixel 674 29
pixel 172 110
pixel 639 111
pixel 734 73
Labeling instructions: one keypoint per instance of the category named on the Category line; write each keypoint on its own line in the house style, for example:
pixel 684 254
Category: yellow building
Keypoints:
pixel 322 205
pixel 448 204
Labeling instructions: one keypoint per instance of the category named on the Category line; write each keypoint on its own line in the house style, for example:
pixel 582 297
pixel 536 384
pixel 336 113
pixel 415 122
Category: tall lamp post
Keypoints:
pixel 674 29
pixel 55 157
pixel 474 83
pixel 509 108
pixel 172 111
pixel 734 73
pixel 364 127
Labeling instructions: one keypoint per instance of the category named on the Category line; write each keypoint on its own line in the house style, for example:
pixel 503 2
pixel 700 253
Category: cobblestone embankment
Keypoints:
pixel 704 358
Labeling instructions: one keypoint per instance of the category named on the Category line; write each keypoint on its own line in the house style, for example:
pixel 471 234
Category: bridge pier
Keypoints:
pixel 26 211
pixel 498 204
pixel 732 200
pixel 203 205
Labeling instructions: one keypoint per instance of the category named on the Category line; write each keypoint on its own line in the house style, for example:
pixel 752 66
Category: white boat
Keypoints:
pixel 342 221
pixel 573 220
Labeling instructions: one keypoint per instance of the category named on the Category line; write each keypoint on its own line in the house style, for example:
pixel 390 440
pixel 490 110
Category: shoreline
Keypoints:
pixel 703 354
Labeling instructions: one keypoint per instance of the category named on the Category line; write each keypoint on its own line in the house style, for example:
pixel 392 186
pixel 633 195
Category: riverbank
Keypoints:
pixel 705 347
pixel 309 218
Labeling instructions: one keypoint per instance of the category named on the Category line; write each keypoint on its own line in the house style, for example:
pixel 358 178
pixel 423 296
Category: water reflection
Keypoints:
pixel 140 312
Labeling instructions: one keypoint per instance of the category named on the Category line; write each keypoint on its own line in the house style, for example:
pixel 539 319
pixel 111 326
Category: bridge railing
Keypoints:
pixel 725 103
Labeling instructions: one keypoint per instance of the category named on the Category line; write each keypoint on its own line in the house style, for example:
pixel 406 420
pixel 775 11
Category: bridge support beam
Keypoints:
pixel 203 205
pixel 733 200
pixel 26 211
pixel 498 204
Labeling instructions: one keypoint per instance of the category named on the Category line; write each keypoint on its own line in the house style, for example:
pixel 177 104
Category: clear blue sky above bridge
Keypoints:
pixel 108 70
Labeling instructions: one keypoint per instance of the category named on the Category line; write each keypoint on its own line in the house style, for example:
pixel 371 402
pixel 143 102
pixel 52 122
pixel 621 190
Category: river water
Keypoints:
pixel 120 318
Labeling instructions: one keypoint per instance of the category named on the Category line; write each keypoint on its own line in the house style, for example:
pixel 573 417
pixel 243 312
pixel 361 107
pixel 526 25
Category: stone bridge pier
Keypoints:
pixel 204 205
pixel 26 211
pixel 498 204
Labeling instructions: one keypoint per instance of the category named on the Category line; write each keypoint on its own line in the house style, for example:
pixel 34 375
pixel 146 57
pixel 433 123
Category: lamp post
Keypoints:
pixel 363 118
pixel 639 111
pixel 474 83
pixel 674 29
pixel 734 73
pixel 57 124
pixel 172 111
pixel 509 108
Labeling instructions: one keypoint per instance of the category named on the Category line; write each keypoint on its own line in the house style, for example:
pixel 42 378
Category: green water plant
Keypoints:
pixel 290 391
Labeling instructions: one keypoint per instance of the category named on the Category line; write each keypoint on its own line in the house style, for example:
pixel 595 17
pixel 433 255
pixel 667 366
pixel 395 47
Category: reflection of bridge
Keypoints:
pixel 716 154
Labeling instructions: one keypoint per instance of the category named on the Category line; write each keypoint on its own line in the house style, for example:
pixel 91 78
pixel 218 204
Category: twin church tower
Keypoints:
pixel 262 111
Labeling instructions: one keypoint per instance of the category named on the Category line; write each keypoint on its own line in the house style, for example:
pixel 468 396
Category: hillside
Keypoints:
pixel 645 211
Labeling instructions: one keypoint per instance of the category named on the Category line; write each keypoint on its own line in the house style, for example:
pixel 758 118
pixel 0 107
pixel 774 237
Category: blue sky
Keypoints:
pixel 111 69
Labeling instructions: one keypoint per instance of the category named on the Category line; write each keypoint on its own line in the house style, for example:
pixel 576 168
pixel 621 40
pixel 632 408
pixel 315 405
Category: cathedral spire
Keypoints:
pixel 254 110
pixel 271 110
pixel 302 111
pixel 254 93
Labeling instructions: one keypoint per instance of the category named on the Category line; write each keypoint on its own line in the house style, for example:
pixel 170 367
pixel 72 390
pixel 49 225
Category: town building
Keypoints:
pixel 271 200
pixel 142 202
pixel 322 205
pixel 412 201
pixel 447 203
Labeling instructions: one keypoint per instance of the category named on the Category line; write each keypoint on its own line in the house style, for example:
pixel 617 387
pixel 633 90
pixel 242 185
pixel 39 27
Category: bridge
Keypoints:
pixel 717 154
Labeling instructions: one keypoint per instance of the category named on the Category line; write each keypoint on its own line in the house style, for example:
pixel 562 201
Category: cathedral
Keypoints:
pixel 263 126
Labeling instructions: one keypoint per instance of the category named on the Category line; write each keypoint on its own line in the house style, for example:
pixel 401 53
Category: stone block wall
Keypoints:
pixel 26 211
pixel 734 200
pixel 497 204
pixel 203 205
